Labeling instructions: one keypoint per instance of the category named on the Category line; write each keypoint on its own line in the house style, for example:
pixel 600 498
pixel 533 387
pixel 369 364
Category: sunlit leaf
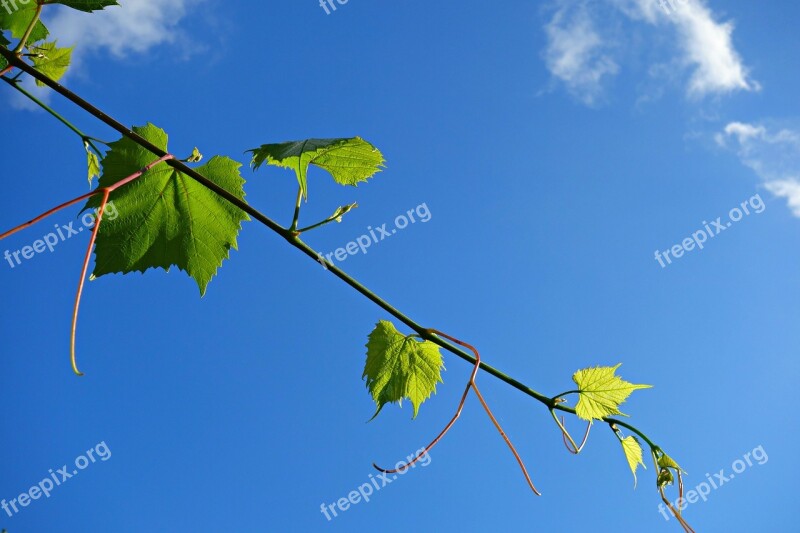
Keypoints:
pixel 400 366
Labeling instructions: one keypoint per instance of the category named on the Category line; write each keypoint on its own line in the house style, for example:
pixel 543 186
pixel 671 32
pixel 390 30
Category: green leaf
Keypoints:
pixel 166 218
pixel 666 464
pixel 401 367
pixel 602 392
pixel 84 5
pixel 94 166
pixel 665 478
pixel 665 461
pixel 51 61
pixel 349 161
pixel 4 42
pixel 18 21
pixel 633 454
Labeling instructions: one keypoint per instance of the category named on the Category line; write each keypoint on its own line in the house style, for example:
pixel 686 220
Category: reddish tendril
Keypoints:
pixel 474 386
pixel 106 192
pixel 569 442
pixel 676 512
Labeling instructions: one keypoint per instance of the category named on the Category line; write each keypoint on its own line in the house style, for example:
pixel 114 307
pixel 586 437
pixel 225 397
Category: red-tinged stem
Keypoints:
pixel 452 420
pixel 125 181
pixel 82 197
pixel 73 360
pixel 505 438
pixel 435 441
pixel 449 425
pixel 106 192
pixel 47 214
pixel 569 442
pixel 676 513
pixel 6 70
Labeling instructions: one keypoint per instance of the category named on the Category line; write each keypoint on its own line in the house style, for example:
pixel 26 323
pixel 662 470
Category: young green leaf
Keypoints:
pixel 18 21
pixel 51 61
pixel 166 218
pixel 93 164
pixel 665 477
pixel 84 5
pixel 665 461
pixel 633 454
pixel 602 392
pixel 349 161
pixel 401 367
pixel 196 156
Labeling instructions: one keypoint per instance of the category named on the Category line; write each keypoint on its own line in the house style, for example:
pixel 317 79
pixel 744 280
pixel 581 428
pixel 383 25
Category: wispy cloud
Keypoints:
pixel 708 47
pixel 581 58
pixel 773 155
pixel 576 54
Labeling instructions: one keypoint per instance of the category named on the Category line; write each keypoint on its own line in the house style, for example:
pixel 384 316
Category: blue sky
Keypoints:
pixel 557 147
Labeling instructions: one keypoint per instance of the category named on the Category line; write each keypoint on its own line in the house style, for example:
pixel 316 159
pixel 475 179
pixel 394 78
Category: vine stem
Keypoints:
pixel 323 222
pixel 24 41
pixel 295 241
pixel 14 82
pixel 296 217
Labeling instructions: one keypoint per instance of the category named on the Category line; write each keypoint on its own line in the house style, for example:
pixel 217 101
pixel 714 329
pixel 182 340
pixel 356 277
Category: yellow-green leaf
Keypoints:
pixel 51 61
pixel 665 461
pixel 602 392
pixel 93 164
pixel 633 454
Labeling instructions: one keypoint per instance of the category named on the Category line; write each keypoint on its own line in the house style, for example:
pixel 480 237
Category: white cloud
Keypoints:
pixel 704 46
pixel 708 47
pixel 134 27
pixel 575 53
pixel 774 156
pixel 789 189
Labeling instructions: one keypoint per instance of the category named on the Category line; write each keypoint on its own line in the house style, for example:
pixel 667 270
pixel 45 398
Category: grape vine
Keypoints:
pixel 174 214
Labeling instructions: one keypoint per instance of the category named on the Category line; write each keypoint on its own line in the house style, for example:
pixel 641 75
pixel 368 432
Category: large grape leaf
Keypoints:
pixel 166 218
pixel 401 367
pixel 51 61
pixel 602 392
pixel 349 161
pixel 84 5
